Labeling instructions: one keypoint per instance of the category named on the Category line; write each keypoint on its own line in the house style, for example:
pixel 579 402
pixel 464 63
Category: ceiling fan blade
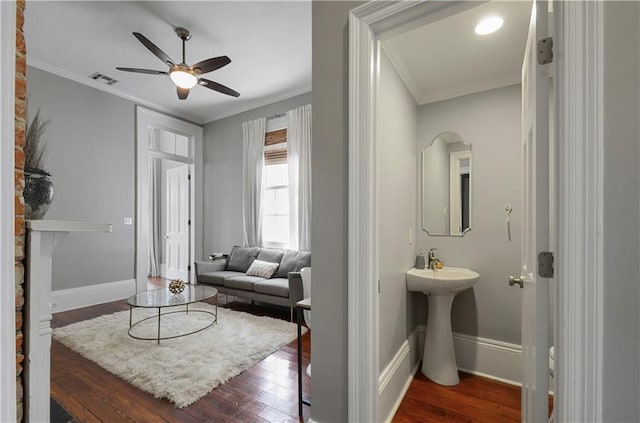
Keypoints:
pixel 154 49
pixel 148 71
pixel 183 93
pixel 210 65
pixel 218 87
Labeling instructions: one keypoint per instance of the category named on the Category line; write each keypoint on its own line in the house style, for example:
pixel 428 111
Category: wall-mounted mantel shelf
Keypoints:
pixel 65 226
pixel 42 237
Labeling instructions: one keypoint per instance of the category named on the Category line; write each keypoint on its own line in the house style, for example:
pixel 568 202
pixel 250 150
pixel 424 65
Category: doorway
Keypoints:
pixel 578 122
pixel 169 197
pixel 400 20
pixel 176 220
pixel 169 218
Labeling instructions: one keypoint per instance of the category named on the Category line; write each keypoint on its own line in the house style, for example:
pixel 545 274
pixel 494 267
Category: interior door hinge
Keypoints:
pixel 545 264
pixel 189 268
pixel 189 177
pixel 545 51
pixel 378 286
pixel 189 222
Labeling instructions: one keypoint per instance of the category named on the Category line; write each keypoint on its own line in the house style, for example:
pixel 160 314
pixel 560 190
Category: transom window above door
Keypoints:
pixel 170 142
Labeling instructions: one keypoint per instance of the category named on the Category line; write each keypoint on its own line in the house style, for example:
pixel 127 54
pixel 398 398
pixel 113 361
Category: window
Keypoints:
pixel 275 200
pixel 275 206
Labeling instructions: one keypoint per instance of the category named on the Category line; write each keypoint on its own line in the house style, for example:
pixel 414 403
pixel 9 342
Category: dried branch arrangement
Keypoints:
pixel 35 145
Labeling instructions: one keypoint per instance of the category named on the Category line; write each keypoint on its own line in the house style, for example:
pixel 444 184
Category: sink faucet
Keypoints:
pixel 432 259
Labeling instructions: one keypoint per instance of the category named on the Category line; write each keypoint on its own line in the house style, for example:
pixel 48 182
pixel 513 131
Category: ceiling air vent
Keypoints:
pixel 103 79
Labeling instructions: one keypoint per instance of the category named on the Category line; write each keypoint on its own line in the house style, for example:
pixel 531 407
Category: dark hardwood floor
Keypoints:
pixel 266 392
pixel 475 399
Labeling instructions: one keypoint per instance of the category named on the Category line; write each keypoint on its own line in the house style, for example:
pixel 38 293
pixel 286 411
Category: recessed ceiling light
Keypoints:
pixel 489 25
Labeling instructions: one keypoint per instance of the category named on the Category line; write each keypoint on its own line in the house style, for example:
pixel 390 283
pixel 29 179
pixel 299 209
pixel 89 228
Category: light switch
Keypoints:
pixel 128 220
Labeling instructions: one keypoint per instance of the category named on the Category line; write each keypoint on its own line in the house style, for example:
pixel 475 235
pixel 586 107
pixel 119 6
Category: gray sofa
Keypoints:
pixel 228 275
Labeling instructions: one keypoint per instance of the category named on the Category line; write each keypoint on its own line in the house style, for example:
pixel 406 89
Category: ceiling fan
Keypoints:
pixel 184 76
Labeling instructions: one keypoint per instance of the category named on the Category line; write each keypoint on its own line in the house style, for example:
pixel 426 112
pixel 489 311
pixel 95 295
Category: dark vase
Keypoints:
pixel 38 193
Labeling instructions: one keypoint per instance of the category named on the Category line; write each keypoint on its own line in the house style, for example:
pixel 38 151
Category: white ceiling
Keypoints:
pixel 269 44
pixel 446 58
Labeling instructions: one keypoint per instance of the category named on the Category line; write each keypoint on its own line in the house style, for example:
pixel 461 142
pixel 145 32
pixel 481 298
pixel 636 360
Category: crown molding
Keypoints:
pixel 261 102
pixel 110 90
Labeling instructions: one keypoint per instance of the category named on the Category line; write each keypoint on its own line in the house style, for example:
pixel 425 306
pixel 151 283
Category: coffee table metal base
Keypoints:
pixel 159 316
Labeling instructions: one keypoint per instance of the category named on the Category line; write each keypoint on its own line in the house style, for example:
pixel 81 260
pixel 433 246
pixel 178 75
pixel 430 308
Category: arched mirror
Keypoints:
pixel 446 186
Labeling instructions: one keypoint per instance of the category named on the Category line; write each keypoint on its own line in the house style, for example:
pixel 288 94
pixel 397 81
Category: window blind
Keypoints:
pixel 275 147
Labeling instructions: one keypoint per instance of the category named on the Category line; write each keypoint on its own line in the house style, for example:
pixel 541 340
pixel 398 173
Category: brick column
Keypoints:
pixel 20 123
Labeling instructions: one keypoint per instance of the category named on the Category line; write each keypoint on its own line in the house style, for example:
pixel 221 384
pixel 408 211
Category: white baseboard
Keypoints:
pixel 84 296
pixel 394 381
pixel 488 358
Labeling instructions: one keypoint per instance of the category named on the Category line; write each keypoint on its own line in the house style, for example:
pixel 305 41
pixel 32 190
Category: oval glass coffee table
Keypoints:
pixel 163 299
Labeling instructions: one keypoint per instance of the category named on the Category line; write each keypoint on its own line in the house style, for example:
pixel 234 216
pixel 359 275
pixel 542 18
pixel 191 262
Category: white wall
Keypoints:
pixel 621 370
pixel 223 174
pixel 396 204
pixel 490 121
pixel 165 165
pixel 330 154
pixel 91 154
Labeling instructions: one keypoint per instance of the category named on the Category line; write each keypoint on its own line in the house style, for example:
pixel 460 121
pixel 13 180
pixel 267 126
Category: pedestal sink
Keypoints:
pixel 441 286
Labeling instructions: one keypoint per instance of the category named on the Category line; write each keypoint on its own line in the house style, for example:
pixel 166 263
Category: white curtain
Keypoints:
pixel 253 133
pixel 154 221
pixel 299 160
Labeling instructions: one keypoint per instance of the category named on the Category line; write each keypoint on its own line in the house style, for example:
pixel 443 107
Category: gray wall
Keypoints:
pixel 223 174
pixel 490 121
pixel 621 328
pixel 330 154
pixel 91 155
pixel 400 312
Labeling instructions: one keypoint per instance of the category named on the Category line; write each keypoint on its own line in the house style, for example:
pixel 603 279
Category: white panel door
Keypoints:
pixel 177 213
pixel 535 223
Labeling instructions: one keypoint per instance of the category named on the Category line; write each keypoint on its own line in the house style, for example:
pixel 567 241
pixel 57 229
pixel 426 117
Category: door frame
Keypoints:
pixel 8 407
pixel 455 191
pixel 145 118
pixel 579 147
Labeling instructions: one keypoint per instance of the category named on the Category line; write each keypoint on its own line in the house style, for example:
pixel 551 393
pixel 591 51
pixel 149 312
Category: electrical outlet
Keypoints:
pixel 128 221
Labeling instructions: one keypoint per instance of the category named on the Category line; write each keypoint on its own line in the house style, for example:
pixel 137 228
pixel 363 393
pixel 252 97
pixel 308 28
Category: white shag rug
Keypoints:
pixel 184 369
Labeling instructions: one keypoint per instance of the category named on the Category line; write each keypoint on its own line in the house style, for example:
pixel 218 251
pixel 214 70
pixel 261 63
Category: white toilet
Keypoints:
pixel 552 359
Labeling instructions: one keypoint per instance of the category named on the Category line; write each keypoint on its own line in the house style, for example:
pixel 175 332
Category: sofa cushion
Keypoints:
pixel 293 261
pixel 264 269
pixel 271 255
pixel 216 278
pixel 243 282
pixel 276 286
pixel 242 257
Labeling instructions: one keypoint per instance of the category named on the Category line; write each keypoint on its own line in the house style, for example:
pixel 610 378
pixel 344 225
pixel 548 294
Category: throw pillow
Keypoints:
pixel 264 269
pixel 241 258
pixel 271 254
pixel 293 261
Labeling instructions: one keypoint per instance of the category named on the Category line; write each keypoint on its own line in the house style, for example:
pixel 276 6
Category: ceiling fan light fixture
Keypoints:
pixel 489 25
pixel 183 78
